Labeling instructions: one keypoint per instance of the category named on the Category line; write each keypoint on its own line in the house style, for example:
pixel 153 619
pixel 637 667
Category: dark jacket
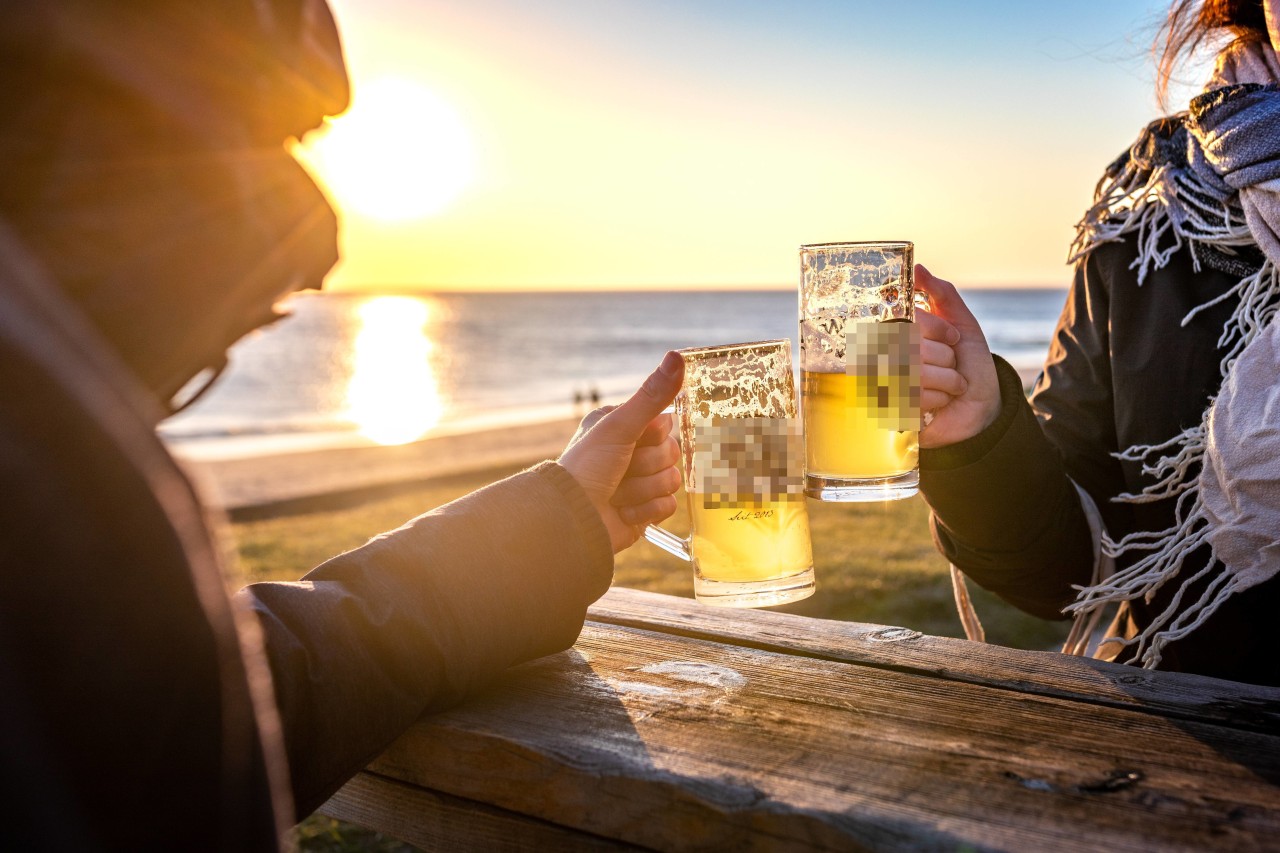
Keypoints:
pixel 136 701
pixel 1122 370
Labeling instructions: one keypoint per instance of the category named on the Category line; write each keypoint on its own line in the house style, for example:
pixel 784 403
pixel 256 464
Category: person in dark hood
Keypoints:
pixel 150 215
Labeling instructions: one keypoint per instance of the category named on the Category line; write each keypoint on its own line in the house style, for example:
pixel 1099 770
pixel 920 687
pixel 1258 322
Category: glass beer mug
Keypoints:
pixel 859 371
pixel 741 455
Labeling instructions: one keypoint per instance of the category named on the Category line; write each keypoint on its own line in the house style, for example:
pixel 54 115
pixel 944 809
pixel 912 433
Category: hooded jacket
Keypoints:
pixel 150 216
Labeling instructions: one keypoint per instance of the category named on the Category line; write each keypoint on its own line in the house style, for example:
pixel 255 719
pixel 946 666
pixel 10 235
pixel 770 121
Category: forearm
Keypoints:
pixel 1005 512
pixel 421 616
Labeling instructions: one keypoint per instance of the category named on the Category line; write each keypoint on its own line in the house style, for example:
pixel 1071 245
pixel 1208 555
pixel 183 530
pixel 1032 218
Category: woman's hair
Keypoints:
pixel 1192 22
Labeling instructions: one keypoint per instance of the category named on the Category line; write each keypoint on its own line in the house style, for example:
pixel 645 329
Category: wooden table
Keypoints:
pixel 674 726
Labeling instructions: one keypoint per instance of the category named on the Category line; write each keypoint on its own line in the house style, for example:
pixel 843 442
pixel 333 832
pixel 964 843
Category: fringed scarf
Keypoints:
pixel 1210 183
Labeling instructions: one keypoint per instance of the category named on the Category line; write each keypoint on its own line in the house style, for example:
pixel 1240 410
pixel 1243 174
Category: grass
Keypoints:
pixel 874 563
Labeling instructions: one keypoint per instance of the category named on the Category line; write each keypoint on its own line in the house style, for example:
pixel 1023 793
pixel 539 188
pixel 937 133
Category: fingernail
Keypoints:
pixel 953 336
pixel 671 363
pixel 628 515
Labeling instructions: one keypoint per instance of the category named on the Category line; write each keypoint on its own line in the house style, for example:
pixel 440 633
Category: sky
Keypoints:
pixel 500 144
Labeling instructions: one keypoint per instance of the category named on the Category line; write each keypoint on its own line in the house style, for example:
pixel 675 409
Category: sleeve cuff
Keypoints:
pixel 1003 493
pixel 595 538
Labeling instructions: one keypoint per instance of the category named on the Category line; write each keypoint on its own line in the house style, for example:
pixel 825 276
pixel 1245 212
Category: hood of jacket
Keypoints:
pixel 147 152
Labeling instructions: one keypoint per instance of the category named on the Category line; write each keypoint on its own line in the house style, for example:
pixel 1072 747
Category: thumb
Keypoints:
pixel 945 300
pixel 626 422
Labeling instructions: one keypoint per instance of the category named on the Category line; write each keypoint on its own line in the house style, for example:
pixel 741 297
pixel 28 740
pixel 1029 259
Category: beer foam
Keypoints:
pixel 751 383
pixel 843 284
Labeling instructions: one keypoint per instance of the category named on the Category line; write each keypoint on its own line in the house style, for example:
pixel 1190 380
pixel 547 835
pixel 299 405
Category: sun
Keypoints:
pixel 400 152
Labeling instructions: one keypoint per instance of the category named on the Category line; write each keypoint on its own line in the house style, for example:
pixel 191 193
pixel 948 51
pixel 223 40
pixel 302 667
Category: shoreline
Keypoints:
pixel 240 483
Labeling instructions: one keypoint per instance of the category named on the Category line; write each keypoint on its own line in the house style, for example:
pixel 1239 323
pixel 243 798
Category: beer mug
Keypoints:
pixel 743 471
pixel 859 371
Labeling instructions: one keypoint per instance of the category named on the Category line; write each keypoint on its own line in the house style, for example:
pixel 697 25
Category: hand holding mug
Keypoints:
pixel 959 385
pixel 624 456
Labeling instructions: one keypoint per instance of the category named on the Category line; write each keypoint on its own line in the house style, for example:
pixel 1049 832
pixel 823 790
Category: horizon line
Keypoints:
pixel 359 289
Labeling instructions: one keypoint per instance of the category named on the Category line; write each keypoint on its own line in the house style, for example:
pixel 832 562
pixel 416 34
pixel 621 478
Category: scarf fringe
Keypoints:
pixel 1205 217
pixel 1170 471
pixel 1132 202
pixel 1147 575
pixel 1165 629
pixel 1141 201
pixel 1150 540
pixel 1259 301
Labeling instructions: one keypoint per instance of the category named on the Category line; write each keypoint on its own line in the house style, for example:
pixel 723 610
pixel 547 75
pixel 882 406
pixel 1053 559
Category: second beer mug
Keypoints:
pixel 743 475
pixel 860 371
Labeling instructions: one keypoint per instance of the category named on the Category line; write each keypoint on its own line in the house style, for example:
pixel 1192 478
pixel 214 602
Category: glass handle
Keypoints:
pixel 669 542
pixel 665 539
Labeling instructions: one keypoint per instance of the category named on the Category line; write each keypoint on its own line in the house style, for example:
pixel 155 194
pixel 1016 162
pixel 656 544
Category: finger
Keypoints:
pixel 621 542
pixel 945 300
pixel 932 352
pixel 942 379
pixel 637 490
pixel 650 512
pixel 658 431
pixel 592 418
pixel 627 422
pixel 935 328
pixel 651 460
pixel 930 400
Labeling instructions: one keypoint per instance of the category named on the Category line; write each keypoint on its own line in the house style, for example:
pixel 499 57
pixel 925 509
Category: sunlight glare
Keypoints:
pixel 400 152
pixel 393 396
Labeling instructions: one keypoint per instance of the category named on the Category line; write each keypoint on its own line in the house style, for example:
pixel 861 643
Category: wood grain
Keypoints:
pixel 1043 673
pixel 680 743
pixel 431 821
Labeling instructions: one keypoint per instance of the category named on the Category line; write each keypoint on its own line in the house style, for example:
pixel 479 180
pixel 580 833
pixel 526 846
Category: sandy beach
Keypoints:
pixel 285 478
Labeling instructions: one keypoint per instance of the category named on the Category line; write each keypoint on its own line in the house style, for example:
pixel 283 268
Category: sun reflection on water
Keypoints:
pixel 393 396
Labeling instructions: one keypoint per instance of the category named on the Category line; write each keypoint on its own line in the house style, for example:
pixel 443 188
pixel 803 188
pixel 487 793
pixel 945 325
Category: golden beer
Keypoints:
pixel 754 543
pixel 843 439
pixel 860 361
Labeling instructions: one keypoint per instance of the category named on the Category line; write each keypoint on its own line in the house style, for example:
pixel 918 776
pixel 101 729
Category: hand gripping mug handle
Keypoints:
pixel 665 539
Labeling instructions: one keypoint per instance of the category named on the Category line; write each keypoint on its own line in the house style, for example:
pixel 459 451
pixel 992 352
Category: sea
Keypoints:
pixel 347 369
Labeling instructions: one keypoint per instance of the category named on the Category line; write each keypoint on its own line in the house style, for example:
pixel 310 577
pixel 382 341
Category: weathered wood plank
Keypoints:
pixel 1168 694
pixel 674 743
pixel 439 822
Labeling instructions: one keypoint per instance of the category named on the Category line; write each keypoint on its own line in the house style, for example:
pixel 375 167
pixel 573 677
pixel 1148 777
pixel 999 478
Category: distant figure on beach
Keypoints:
pixel 581 398
pixel 1144 471
pixel 150 216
